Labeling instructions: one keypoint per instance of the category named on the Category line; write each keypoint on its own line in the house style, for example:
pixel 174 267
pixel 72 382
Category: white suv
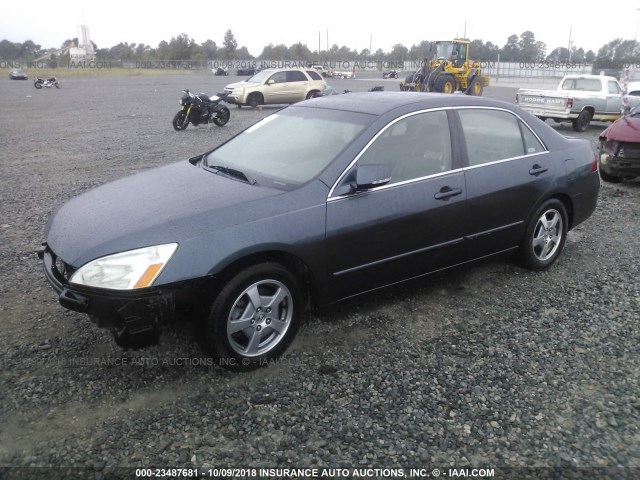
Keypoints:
pixel 272 86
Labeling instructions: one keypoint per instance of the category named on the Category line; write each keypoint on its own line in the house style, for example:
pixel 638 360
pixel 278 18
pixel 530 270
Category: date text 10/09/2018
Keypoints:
pixel 283 473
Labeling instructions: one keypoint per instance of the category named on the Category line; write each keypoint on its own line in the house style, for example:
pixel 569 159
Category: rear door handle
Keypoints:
pixel 537 170
pixel 446 192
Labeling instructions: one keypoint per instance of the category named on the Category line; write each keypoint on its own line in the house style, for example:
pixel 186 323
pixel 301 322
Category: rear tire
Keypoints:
pixel 581 123
pixel 476 88
pixel 38 85
pixel 545 236
pixel 180 121
pixel 254 318
pixel 222 117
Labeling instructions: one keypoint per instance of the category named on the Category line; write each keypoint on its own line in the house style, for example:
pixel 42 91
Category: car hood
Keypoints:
pixel 163 205
pixel 625 129
pixel 243 85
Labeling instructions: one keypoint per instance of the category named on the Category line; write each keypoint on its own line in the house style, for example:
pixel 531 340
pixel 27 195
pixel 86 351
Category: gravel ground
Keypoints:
pixel 490 366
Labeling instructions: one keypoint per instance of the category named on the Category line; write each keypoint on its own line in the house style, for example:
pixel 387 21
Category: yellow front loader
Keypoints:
pixel 450 71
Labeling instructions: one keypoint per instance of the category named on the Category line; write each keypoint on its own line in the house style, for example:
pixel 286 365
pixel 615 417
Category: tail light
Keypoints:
pixel 594 163
pixel 569 102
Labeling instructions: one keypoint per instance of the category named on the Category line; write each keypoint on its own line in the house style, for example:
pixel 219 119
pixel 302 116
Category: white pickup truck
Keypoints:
pixel 578 99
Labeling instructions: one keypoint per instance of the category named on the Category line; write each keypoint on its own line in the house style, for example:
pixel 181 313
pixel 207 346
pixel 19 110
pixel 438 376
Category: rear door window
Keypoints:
pixel 296 76
pixel 494 135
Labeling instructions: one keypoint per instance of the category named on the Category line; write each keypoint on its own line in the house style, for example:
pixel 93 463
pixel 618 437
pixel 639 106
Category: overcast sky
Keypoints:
pixel 258 23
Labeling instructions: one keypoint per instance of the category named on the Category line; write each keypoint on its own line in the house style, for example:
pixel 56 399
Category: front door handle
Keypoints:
pixel 537 170
pixel 446 192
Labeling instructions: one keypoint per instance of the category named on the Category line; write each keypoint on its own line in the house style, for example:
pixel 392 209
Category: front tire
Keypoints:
pixel 545 236
pixel 254 318
pixel 581 123
pixel 57 85
pixel 445 84
pixel 180 121
pixel 254 100
pixel 38 85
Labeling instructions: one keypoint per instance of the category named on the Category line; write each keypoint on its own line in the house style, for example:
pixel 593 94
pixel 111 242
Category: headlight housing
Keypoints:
pixel 127 270
pixel 238 91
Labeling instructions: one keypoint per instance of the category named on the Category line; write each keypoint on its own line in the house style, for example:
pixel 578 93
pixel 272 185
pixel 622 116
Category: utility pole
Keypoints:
pixel 570 28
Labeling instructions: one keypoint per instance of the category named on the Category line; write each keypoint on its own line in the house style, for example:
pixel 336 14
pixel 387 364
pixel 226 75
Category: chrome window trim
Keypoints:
pixel 331 198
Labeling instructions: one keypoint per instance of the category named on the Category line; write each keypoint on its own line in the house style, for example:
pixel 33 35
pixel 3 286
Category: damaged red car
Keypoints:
pixel 619 155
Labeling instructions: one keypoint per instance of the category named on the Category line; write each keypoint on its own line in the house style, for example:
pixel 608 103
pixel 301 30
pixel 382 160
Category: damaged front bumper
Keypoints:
pixel 618 166
pixel 135 311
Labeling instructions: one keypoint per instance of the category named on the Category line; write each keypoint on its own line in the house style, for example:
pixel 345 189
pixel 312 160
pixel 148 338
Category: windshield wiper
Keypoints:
pixel 232 172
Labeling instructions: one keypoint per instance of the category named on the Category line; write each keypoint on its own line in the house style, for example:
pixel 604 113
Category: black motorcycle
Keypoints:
pixel 49 82
pixel 200 108
pixel 390 74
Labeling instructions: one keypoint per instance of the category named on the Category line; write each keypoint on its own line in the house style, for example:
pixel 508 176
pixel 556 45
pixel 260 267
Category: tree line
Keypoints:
pixel 523 48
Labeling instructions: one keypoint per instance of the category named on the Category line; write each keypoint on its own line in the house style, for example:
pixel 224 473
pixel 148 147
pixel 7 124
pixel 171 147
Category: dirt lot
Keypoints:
pixel 491 366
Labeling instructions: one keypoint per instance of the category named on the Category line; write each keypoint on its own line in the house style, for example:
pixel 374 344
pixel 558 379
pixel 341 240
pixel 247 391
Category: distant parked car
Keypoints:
pixel 319 202
pixel 274 86
pixel 324 71
pixel 619 155
pixel 343 74
pixel 220 72
pixel 243 72
pixel 18 74
pixel 577 99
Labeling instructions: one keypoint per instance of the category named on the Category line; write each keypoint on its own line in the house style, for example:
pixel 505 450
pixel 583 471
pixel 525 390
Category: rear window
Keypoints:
pixel 586 84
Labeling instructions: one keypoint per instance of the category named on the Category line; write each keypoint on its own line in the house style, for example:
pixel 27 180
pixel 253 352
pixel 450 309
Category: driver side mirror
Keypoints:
pixel 271 81
pixel 371 175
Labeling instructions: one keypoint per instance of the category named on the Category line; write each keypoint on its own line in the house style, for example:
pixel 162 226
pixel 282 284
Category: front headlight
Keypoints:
pixel 126 270
pixel 238 91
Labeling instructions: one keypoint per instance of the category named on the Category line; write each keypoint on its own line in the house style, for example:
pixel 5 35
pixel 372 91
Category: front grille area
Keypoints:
pixel 630 150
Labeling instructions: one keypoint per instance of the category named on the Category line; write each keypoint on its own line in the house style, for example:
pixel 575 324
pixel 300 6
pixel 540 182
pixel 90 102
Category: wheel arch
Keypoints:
pixel 298 267
pixel 259 95
pixel 562 198
pixel 590 108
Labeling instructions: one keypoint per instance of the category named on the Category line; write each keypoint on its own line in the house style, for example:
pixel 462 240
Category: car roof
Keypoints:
pixel 379 103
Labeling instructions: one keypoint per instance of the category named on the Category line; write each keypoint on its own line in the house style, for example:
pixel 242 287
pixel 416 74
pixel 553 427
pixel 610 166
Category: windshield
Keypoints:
pixel 444 50
pixel 290 147
pixel 261 77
